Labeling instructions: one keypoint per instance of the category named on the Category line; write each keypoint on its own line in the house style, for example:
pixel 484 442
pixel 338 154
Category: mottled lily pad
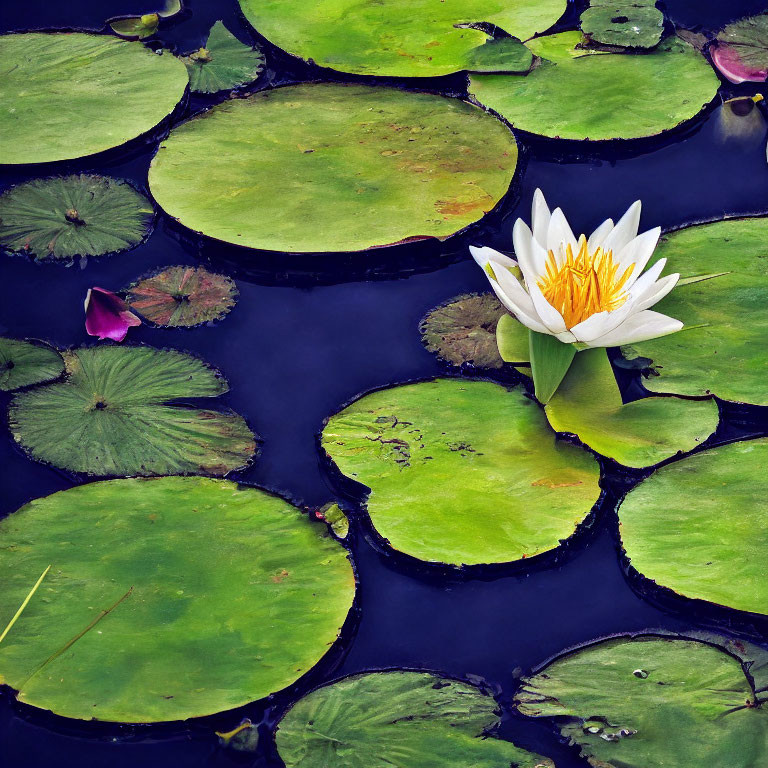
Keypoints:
pixel 634 24
pixel 722 349
pixel 406 38
pixel 110 416
pixel 463 472
pixel 641 433
pixel 23 363
pixel 397 720
pixel 699 528
pixel 330 167
pixel 74 94
pixel 182 296
pixel 224 62
pixel 741 50
pixel 580 95
pixel 66 216
pixel 168 598
pixel 652 702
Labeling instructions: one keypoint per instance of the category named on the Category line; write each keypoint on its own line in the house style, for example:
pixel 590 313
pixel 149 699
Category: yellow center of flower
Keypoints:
pixel 584 284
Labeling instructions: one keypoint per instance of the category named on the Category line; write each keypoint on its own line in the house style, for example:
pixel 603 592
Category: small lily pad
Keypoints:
pixel 637 434
pixel 635 24
pixel 168 598
pixel 110 416
pixel 463 471
pixel 699 528
pixel 136 27
pixel 502 54
pixel 23 363
pixel 67 216
pixel 397 720
pixel 224 62
pixel 182 297
pixel 741 50
pixel 652 702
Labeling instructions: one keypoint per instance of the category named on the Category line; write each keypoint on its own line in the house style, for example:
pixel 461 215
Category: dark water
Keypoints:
pixel 302 342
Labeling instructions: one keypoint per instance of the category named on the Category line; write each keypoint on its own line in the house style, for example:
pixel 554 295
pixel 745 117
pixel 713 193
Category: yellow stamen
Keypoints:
pixel 584 284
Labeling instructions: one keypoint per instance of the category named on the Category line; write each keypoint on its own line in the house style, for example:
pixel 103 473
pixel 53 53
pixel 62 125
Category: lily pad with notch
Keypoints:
pixel 168 598
pixel 111 417
pixel 140 27
pixel 633 24
pixel 740 51
pixel 24 363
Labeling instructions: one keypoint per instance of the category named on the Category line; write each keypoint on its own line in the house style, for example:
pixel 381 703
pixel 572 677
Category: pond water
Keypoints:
pixel 308 336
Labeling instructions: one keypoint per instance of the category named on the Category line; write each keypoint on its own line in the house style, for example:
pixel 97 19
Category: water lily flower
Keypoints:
pixel 590 291
pixel 107 315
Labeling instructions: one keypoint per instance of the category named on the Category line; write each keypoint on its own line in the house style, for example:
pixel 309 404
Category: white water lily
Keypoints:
pixel 590 291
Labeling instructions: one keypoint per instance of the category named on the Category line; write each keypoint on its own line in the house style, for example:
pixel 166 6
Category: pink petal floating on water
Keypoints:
pixel 728 61
pixel 107 315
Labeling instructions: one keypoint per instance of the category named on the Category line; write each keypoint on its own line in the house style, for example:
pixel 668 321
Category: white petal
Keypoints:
pixel 522 240
pixel 638 252
pixel 625 230
pixel 485 255
pixel 559 232
pixel 546 312
pixel 639 327
pixel 656 292
pixel 534 266
pixel 540 218
pixel 513 296
pixel 601 323
pixel 598 236
pixel 566 337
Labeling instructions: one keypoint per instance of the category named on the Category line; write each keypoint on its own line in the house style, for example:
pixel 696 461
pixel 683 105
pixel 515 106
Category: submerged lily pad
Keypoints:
pixel 71 94
pixel 168 598
pixel 641 433
pixel 136 27
pixel 23 363
pixel 394 37
pixel 330 167
pixel 580 95
pixel 397 720
pixel 633 24
pixel 462 471
pixel 182 296
pixel 741 50
pixel 66 216
pixel 652 702
pixel 722 349
pixel 110 417
pixel 223 63
pixel 699 527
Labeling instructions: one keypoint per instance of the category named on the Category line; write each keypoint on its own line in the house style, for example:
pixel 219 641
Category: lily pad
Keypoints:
pixel 168 598
pixel 652 702
pixel 722 349
pixel 395 37
pixel 635 24
pixel 397 720
pixel 741 50
pixel 67 216
pixel 331 167
pixel 223 63
pixel 580 95
pixel 182 296
pixel 23 363
pixel 136 27
pixel 502 54
pixel 110 416
pixel 462 471
pixel 699 528
pixel 641 433
pixel 71 94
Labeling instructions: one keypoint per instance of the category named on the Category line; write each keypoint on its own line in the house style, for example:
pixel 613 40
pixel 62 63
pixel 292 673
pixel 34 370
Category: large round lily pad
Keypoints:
pixel 67 216
pixel 652 702
pixel 167 598
pixel 23 363
pixel 579 95
pixel 67 95
pixel 397 720
pixel 463 472
pixel 407 38
pixel 699 526
pixel 329 167
pixel 722 349
pixel 110 416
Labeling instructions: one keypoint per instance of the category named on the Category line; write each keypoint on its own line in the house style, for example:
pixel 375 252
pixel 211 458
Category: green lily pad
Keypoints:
pixel 223 63
pixel 463 471
pixel 168 598
pixel 66 216
pixel 23 364
pixel 403 38
pixel 652 702
pixel 71 94
pixel 641 433
pixel 397 720
pixel 513 341
pixel 182 297
pixel 699 528
pixel 722 349
pixel 627 24
pixel 136 27
pixel 330 167
pixel 503 54
pixel 110 416
pixel 601 96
